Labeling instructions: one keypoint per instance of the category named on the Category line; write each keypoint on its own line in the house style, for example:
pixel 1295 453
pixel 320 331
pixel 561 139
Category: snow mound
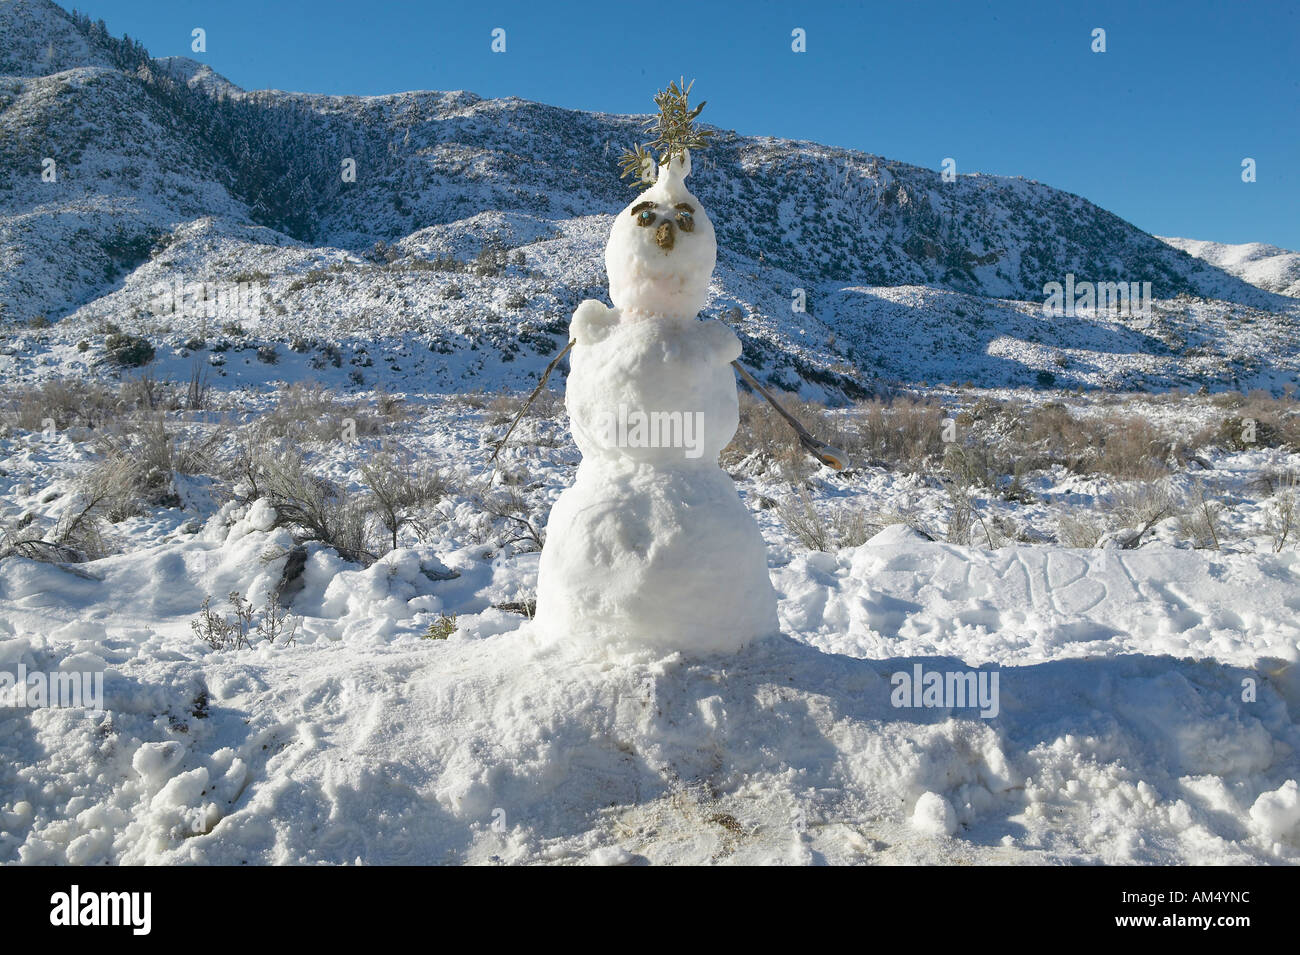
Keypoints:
pixel 510 750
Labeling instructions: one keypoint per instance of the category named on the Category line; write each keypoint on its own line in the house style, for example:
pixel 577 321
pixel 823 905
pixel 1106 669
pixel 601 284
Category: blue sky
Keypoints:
pixel 1154 129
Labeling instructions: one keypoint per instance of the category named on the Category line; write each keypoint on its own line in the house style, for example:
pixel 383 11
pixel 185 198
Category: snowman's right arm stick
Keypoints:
pixel 830 456
pixel 524 407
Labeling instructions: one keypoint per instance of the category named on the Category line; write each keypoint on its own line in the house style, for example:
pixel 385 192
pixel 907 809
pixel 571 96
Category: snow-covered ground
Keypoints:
pixel 1145 707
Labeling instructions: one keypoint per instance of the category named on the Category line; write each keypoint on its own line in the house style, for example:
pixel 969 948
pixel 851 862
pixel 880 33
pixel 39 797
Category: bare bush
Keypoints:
pixel 1127 446
pixel 401 491
pixel 199 389
pixel 104 494
pixel 523 521
pixel 1258 421
pixel 1281 520
pixel 157 453
pixel 221 632
pixel 1079 530
pixel 502 408
pixel 902 433
pixel 68 402
pixel 965 469
pixel 763 434
pixel 1201 523
pixel 306 412
pixel 840 527
pixel 851 527
pixel 1034 437
pixel 313 507
pixel 802 519
pixel 150 393
pixel 1138 508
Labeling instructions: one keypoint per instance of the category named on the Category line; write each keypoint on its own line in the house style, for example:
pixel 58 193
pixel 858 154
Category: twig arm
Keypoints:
pixel 830 456
pixel 531 398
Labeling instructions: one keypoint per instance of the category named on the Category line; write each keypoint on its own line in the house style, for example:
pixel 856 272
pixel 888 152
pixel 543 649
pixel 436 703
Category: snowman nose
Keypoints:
pixel 666 235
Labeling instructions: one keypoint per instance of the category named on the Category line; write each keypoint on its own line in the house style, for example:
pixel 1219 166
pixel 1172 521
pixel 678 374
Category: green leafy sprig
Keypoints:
pixel 674 130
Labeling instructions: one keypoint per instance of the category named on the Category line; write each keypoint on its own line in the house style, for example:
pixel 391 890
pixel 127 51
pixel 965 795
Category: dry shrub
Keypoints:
pixel 1200 522
pixel 148 393
pixel 839 527
pixel 802 519
pixel 399 492
pixel 521 520
pixel 106 493
pixel 502 407
pixel 402 491
pixel 313 507
pixel 1140 507
pixel 68 402
pixel 1258 421
pixel 155 453
pixel 902 433
pixel 475 400
pixel 305 411
pixel 1025 437
pixel 1128 514
pixel 1282 523
pixel 763 433
pixel 1079 529
pixel 1128 447
pixel 768 441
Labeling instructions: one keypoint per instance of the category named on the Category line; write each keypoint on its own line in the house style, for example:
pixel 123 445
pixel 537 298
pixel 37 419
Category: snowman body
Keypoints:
pixel 651 547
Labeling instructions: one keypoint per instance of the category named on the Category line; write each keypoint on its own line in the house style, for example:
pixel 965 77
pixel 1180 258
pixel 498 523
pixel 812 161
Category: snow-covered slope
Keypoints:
pixel 37 38
pixel 1267 266
pixel 193 73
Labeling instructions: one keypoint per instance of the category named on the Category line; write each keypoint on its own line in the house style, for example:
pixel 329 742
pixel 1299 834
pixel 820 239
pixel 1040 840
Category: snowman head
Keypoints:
pixel 662 249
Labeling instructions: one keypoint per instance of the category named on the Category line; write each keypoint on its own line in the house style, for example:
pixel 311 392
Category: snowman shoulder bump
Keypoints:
pixel 592 320
pixel 721 338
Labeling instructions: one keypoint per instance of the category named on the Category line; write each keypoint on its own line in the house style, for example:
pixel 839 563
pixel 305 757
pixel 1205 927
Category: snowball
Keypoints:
pixel 261 515
pixel 82 663
pixel 934 816
pixel 611 855
pixel 154 761
pixel 182 790
pixel 1276 814
pixel 87 630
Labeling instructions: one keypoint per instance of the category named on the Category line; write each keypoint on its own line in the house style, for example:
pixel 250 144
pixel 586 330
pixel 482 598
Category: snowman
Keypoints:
pixel 651 548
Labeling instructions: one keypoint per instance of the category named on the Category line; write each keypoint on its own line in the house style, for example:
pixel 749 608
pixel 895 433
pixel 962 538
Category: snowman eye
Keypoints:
pixel 643 213
pixel 685 216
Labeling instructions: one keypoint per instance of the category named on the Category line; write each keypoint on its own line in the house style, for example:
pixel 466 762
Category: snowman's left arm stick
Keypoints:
pixel 536 391
pixel 830 456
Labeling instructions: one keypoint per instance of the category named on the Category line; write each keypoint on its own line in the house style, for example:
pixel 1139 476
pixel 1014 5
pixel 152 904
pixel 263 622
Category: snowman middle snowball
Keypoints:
pixel 651 547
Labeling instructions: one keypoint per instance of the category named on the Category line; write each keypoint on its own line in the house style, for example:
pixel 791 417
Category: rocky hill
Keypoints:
pixel 473 226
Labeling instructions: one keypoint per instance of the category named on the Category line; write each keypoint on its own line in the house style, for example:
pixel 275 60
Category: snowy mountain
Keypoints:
pixel 474 226
pixel 39 38
pixel 193 73
pixel 1265 266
